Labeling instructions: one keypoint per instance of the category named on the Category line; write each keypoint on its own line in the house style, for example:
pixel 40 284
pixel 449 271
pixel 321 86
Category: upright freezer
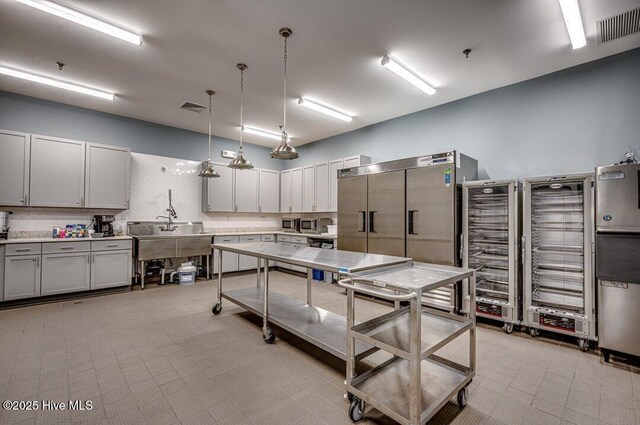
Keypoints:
pixel 491 234
pixel 618 258
pixel 559 293
pixel 409 208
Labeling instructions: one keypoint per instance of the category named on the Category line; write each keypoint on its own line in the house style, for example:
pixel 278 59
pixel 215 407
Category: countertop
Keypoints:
pixel 47 240
pixel 273 232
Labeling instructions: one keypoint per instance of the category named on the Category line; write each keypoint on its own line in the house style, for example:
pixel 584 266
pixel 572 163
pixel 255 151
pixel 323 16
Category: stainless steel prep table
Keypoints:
pixel 320 327
pixel 415 383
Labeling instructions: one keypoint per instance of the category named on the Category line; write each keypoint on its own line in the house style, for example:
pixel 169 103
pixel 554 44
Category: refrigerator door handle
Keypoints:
pixel 371 225
pixel 410 219
pixel 363 227
pixel 523 249
pixel 461 253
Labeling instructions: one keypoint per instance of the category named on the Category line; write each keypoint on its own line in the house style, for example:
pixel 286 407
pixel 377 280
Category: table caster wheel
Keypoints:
pixel 607 355
pixel 462 397
pixel 217 308
pixel 350 397
pixel 507 328
pixel 584 345
pixel 268 336
pixel 356 409
pixel 533 332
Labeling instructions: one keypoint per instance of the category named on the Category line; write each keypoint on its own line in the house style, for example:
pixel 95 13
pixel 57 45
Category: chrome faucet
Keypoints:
pixel 172 214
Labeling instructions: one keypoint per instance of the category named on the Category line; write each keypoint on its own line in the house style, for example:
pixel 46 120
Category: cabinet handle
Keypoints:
pixel 23 249
pixel 112 246
pixel 66 247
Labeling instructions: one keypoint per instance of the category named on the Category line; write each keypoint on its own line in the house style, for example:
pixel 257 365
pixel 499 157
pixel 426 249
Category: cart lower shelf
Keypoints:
pixel 388 389
pixel 320 327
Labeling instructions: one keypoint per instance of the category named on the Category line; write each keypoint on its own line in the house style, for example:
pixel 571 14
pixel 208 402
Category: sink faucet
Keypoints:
pixel 170 217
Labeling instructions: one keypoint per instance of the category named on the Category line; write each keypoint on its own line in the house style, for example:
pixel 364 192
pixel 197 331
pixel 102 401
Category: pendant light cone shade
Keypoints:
pixel 207 170
pixel 284 150
pixel 240 162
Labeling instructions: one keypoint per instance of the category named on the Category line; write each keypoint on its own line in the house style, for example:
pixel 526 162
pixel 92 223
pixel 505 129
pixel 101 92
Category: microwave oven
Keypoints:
pixel 314 225
pixel 291 224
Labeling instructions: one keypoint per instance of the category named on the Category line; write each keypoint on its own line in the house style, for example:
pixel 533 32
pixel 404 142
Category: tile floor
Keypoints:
pixel 160 357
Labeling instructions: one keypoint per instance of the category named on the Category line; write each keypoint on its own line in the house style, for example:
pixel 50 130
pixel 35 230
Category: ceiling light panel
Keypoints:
pixel 25 75
pixel 314 105
pixel 88 21
pixel 572 19
pixel 406 74
pixel 263 133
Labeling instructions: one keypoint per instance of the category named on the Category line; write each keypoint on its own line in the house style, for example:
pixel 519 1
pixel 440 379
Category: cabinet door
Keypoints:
pixel 14 168
pixel 62 273
pixel 308 188
pixel 334 166
pixel 247 262
pixel 322 187
pixel 57 172
pixel 269 199
pixel 21 277
pixel 107 179
pixel 229 259
pixel 218 192
pixel 296 190
pixel 246 190
pixel 110 269
pixel 285 191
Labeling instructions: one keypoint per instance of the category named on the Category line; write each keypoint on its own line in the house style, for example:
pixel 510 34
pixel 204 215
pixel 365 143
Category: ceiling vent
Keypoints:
pixel 188 105
pixel 618 26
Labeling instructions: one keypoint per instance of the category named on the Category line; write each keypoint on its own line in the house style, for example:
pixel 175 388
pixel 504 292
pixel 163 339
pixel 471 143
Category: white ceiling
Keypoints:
pixel 334 56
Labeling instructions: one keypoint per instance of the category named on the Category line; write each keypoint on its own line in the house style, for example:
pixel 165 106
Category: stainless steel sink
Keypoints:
pixel 159 240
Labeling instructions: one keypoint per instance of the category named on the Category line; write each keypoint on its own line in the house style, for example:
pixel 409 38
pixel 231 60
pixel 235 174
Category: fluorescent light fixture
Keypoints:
pixel 572 19
pixel 56 83
pixel 306 102
pixel 84 19
pixel 409 76
pixel 263 133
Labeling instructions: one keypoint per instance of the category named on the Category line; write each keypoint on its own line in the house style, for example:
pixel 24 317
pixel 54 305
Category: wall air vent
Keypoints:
pixel 618 26
pixel 188 105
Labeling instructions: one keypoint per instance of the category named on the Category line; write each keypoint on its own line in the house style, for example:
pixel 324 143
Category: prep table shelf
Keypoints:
pixel 388 389
pixel 391 332
pixel 320 327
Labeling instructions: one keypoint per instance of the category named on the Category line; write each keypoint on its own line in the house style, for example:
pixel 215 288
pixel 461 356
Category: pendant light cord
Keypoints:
pixel 284 124
pixel 209 130
pixel 241 106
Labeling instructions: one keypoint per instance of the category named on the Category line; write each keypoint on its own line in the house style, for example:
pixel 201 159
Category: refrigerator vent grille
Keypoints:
pixel 188 105
pixel 618 26
pixel 536 318
pixel 505 311
pixel 579 326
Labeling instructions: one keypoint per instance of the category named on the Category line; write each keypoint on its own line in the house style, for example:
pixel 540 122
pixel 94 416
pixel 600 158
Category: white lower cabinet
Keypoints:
pixel 62 273
pixel 110 269
pixel 247 262
pixel 21 277
pixel 229 259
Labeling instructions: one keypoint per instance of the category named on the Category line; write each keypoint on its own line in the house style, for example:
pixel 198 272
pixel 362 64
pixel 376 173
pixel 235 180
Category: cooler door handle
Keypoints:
pixel 371 222
pixel 363 227
pixel 411 220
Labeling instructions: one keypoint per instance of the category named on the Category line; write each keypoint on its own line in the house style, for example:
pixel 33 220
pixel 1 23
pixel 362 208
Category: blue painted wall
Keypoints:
pixel 568 121
pixel 31 115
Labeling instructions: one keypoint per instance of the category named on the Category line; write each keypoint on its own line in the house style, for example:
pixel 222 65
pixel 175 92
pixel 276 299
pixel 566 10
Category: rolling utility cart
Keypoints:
pixel 415 383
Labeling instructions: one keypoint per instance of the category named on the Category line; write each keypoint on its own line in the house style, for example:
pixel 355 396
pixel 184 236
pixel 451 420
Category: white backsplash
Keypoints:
pixel 151 178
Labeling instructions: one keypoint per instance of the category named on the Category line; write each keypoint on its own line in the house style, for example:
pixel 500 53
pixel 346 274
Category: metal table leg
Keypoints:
pixel 142 273
pixel 351 312
pixel 258 272
pixel 309 281
pixel 267 334
pixel 415 384
pixel 217 308
pixel 472 316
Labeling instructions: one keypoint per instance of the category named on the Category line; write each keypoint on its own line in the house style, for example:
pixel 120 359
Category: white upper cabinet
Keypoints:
pixel 296 189
pixel 269 183
pixel 308 188
pixel 57 172
pixel 285 191
pixel 322 187
pixel 246 190
pixel 334 166
pixel 356 161
pixel 14 168
pixel 107 180
pixel 217 193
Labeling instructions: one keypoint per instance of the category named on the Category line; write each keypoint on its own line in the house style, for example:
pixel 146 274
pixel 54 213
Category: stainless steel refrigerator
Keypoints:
pixel 618 258
pixel 492 224
pixel 409 207
pixel 559 292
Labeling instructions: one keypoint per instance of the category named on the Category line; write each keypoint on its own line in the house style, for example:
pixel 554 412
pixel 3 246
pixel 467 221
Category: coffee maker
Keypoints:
pixel 103 224
pixel 4 224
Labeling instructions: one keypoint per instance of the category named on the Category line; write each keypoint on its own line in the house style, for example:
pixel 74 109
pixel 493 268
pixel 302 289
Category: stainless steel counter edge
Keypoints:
pixel 47 240
pixel 276 232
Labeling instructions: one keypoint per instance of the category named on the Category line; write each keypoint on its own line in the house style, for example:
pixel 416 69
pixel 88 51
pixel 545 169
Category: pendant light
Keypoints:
pixel 284 150
pixel 208 171
pixel 239 162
